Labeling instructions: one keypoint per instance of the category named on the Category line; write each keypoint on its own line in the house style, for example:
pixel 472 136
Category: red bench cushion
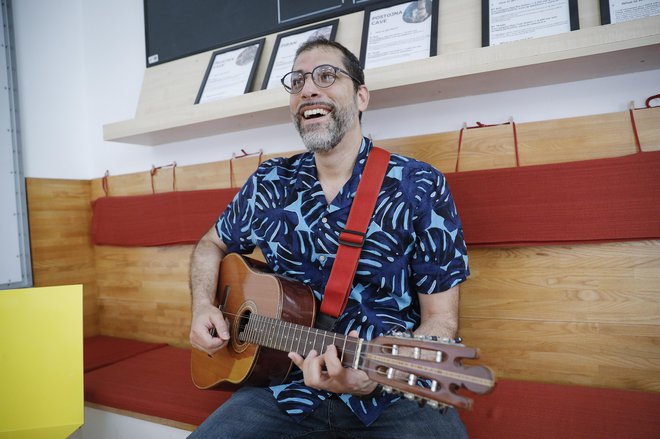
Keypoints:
pixel 101 350
pixel 612 199
pixel 155 383
pixel 518 409
pixel 160 219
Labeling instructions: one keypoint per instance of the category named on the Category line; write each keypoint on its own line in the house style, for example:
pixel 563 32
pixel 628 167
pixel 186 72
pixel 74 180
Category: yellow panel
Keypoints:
pixel 57 431
pixel 41 361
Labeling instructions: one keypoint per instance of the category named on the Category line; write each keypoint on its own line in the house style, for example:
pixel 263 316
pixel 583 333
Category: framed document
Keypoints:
pixel 503 21
pixel 230 72
pixel 285 48
pixel 618 11
pixel 397 31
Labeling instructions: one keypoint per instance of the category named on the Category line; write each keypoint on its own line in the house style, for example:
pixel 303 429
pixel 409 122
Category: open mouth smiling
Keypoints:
pixel 310 112
pixel 314 113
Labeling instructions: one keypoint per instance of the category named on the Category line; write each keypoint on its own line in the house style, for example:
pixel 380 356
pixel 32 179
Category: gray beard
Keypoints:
pixel 320 139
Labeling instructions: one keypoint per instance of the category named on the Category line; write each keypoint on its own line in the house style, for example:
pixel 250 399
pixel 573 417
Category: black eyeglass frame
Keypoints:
pixel 304 76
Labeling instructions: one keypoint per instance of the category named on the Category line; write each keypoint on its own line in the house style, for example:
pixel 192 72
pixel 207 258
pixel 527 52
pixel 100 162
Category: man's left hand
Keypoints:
pixel 325 372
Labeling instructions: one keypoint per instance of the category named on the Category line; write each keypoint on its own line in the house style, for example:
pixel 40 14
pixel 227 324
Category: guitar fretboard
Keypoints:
pixel 290 337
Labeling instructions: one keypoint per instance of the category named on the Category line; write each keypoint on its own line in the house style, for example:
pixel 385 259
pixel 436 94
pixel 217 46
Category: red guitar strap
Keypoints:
pixel 351 238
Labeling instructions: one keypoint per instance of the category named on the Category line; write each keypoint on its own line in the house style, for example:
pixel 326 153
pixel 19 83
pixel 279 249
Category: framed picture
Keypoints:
pixel 618 11
pixel 396 32
pixel 230 72
pixel 285 48
pixel 504 21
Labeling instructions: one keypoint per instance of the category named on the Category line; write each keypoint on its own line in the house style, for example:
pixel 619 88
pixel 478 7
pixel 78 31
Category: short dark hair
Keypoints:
pixel 351 63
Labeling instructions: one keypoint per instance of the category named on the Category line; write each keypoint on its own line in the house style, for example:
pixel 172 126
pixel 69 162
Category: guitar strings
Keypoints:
pixel 400 359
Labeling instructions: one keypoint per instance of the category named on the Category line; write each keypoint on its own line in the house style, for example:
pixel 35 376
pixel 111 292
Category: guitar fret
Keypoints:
pixel 271 333
pixel 323 343
pixel 305 351
pixel 279 332
pixel 298 350
pixel 343 350
pixel 249 331
pixel 263 331
pixel 255 330
pixel 286 326
pixel 275 327
pixel 288 335
pixel 298 337
pixel 255 334
pixel 293 337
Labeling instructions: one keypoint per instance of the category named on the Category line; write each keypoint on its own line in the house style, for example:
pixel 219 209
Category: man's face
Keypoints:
pixel 323 116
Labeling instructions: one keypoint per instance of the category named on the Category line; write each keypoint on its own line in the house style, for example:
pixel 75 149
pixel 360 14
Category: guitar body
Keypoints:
pixel 246 287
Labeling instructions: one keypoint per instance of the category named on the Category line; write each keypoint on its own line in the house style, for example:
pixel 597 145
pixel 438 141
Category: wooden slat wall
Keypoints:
pixel 61 246
pixel 578 314
pixel 583 314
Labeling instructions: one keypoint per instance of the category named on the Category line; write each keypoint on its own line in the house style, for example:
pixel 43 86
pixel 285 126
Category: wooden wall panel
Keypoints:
pixel 62 253
pixel 144 292
pixel 585 314
pixel 582 314
pixel 602 355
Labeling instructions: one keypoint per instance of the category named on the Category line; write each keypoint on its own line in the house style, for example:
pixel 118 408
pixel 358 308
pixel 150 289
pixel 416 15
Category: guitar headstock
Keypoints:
pixel 428 370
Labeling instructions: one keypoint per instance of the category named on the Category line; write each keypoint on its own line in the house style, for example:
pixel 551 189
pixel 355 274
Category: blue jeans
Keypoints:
pixel 253 413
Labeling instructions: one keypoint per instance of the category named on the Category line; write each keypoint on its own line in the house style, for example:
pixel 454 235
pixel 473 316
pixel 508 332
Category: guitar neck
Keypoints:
pixel 290 337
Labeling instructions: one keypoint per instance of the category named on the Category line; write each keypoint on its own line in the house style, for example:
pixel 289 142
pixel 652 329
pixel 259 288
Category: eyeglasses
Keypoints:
pixel 323 76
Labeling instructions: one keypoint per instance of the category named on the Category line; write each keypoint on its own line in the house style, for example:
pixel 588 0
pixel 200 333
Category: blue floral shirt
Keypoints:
pixel 414 245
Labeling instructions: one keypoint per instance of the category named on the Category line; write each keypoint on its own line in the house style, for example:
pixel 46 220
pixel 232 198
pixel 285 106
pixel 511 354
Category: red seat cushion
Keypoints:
pixel 518 409
pixel 155 383
pixel 102 350
pixel 159 219
pixel 612 199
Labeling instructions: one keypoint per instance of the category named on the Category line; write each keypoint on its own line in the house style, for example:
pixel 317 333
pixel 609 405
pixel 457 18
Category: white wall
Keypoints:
pixel 81 63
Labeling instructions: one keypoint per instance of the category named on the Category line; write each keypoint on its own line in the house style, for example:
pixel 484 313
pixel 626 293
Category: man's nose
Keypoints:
pixel 310 89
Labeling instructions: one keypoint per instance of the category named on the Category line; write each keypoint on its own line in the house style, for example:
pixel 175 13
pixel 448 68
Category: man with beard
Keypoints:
pixel 412 262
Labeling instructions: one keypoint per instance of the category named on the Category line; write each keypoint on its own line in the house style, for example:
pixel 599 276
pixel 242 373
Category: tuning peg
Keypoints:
pixel 409 396
pixel 388 389
pixel 401 334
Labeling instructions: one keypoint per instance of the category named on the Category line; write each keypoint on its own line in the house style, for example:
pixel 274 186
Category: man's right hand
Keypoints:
pixel 205 319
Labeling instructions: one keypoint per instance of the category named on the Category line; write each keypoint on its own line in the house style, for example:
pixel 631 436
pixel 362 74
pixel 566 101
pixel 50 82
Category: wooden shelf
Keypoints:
pixel 583 54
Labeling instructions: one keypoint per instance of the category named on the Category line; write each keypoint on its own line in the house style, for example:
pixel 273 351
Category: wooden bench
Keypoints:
pixel 153 381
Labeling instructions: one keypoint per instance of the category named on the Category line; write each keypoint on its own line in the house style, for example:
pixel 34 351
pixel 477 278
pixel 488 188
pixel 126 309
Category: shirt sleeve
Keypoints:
pixel 234 227
pixel 440 258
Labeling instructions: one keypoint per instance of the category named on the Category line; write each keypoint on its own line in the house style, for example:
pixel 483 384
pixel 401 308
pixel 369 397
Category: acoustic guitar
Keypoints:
pixel 271 315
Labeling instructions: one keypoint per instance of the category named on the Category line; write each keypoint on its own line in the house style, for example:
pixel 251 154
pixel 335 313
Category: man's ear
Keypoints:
pixel 362 98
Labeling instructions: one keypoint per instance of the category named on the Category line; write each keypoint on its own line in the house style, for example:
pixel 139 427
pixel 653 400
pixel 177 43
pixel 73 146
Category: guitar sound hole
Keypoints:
pixel 241 334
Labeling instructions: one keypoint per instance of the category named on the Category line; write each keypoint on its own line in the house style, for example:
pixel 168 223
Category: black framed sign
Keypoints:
pixel 619 11
pixel 504 21
pixel 397 31
pixel 230 72
pixel 178 28
pixel 285 48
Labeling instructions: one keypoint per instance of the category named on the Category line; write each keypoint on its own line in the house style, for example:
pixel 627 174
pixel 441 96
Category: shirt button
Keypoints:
pixel 324 220
pixel 322 258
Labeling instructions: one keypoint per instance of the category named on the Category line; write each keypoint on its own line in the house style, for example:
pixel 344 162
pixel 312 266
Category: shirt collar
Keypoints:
pixel 310 177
